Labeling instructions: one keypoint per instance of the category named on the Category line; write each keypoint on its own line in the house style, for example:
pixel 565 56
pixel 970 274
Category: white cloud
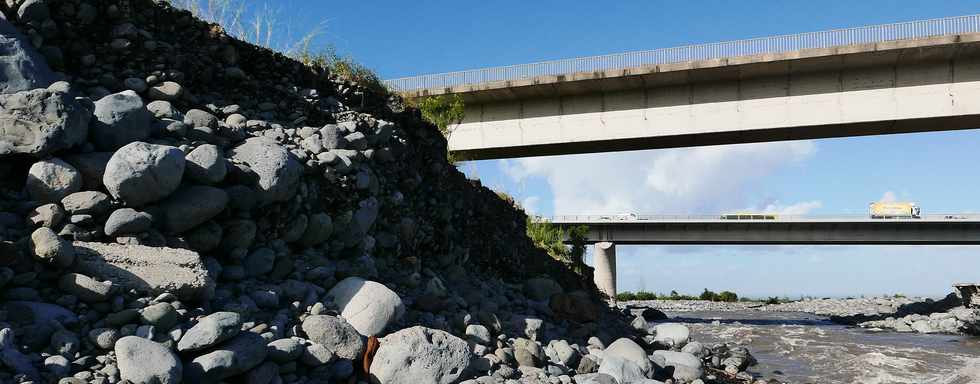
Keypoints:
pixel 695 180
pixel 532 205
pixel 801 208
pixel 888 197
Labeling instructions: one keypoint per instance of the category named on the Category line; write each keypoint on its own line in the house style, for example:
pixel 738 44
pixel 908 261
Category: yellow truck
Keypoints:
pixel 894 210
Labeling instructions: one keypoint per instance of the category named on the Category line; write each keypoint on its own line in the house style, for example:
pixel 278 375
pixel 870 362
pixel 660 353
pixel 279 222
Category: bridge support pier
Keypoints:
pixel 605 268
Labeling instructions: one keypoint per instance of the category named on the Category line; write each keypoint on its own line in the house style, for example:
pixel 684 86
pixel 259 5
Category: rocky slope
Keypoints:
pixel 179 206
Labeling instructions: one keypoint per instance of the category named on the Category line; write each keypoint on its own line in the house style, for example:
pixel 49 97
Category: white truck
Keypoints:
pixel 894 210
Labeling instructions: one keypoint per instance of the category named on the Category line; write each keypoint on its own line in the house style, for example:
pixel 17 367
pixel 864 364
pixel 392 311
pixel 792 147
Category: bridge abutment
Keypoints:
pixel 605 268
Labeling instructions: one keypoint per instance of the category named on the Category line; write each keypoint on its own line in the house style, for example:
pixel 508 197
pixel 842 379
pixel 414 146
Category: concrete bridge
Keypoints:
pixel 883 79
pixel 605 231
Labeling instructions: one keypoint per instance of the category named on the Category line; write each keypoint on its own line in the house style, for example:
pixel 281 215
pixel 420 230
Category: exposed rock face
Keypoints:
pixel 141 173
pixel 21 67
pixel 367 305
pixel 41 121
pixel 278 170
pixel 420 355
pixel 146 269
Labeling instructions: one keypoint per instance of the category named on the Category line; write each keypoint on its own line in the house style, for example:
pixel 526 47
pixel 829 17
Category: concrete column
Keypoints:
pixel 605 268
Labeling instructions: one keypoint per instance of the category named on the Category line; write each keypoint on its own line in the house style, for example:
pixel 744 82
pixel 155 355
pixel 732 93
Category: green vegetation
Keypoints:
pixel 344 67
pixel 443 111
pixel 724 296
pixel 550 238
pixel 259 24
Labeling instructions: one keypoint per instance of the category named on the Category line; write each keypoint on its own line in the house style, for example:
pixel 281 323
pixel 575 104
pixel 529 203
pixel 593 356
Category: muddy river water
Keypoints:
pixel 804 348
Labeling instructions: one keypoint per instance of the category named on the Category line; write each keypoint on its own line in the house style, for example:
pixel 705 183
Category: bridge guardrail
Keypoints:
pixel 772 44
pixel 776 218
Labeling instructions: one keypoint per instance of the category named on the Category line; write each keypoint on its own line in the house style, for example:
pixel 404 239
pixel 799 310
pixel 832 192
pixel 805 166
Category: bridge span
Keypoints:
pixel 894 78
pixel 605 231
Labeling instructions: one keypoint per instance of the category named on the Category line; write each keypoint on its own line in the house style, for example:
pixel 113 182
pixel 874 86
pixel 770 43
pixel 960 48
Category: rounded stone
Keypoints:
pixel 144 361
pixel 335 334
pixel 367 305
pixel 141 173
pixel 51 248
pixel 49 181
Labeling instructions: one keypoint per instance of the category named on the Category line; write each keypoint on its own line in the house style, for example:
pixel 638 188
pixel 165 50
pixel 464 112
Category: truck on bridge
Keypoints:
pixel 894 210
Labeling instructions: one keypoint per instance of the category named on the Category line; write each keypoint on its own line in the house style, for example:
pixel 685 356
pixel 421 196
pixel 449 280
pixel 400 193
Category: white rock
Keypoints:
pixel 367 305
pixel 420 355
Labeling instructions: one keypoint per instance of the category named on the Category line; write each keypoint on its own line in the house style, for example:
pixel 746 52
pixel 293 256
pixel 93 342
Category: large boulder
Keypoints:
pixel 144 361
pixel 41 121
pixel 141 173
pixel 335 334
pixel 367 305
pixel 672 335
pixel 684 366
pixel 277 169
pixel 210 330
pixel 190 207
pixel 50 248
pixel 147 270
pixel 420 355
pixel 51 180
pixel 120 119
pixel 237 356
pixel 21 67
pixel 206 165
pixel 625 360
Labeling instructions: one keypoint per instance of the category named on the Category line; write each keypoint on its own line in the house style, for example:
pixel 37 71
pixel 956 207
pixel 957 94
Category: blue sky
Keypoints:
pixel 832 176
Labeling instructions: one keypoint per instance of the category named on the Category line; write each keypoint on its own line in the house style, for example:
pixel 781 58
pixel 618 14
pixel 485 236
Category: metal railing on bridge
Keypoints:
pixel 773 44
pixel 571 219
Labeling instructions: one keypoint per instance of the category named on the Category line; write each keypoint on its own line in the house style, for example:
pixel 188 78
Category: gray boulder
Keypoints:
pixel 147 270
pixel 625 360
pixel 120 119
pixel 87 203
pixel 48 247
pixel 420 355
pixel 85 288
pixel 210 330
pixel 199 118
pixel 143 361
pixel 685 366
pixel 125 221
pixel 167 91
pixel 672 334
pixel 206 165
pixel 335 334
pixel 367 305
pixel 285 350
pixel 277 169
pixel 41 121
pixel 51 180
pixel 237 356
pixel 318 230
pixel 141 173
pixel 21 67
pixel 190 207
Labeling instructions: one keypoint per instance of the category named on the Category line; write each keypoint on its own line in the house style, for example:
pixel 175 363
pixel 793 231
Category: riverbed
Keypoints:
pixel 796 347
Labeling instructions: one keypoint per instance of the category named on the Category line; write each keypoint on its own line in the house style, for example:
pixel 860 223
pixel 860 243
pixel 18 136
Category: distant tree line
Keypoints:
pixel 707 295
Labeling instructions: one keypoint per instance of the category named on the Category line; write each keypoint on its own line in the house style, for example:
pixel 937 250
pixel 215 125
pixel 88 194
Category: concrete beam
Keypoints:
pixel 872 232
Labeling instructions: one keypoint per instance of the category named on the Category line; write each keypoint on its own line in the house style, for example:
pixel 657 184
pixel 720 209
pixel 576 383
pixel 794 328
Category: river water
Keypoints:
pixel 803 348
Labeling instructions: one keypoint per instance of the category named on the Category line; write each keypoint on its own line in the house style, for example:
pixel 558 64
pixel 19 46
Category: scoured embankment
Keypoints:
pixel 179 206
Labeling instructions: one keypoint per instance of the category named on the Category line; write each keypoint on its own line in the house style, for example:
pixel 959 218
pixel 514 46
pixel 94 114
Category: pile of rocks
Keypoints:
pixel 180 206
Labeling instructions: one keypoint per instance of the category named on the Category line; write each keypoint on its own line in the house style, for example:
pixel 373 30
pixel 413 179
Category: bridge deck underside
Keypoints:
pixel 882 233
